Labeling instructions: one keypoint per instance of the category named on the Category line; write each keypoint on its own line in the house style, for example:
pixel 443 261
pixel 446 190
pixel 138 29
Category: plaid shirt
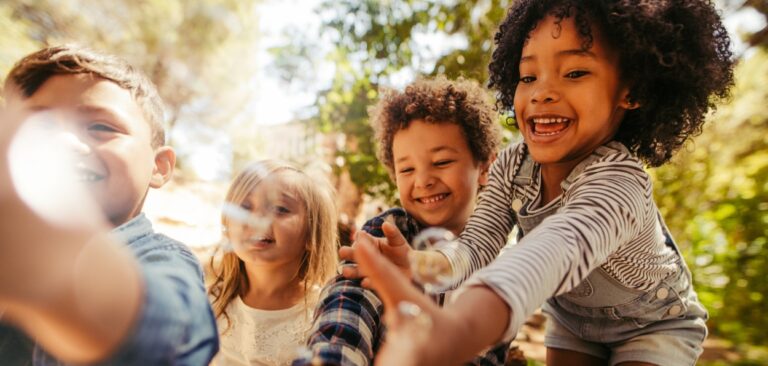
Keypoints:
pixel 348 328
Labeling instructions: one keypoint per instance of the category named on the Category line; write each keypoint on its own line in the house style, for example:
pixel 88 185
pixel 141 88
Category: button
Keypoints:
pixel 662 293
pixel 674 310
pixel 517 204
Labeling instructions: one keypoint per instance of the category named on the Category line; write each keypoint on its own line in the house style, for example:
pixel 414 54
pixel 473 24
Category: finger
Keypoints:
pixel 347 253
pixel 390 284
pixel 350 272
pixel 394 237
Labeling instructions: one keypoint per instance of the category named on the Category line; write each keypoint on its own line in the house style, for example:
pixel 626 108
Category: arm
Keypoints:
pixel 603 210
pixel 548 261
pixel 53 286
pixel 489 226
pixel 443 339
pixel 176 324
pixel 346 325
pixel 348 318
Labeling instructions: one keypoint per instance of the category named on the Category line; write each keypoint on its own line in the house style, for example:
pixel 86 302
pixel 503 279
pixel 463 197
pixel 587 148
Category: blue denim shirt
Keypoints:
pixel 175 325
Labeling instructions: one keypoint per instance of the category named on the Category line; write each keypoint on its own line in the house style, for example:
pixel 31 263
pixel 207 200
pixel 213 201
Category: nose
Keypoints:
pixel 545 92
pixel 74 143
pixel 424 179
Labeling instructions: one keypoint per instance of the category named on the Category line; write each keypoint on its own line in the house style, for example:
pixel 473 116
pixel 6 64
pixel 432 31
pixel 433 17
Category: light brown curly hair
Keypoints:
pixel 438 100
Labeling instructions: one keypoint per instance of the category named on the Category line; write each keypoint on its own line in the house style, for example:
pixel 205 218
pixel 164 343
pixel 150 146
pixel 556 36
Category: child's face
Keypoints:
pixel 568 101
pixel 282 238
pixel 109 137
pixel 436 175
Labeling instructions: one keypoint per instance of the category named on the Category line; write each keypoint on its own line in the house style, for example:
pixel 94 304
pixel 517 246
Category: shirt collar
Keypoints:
pixel 133 230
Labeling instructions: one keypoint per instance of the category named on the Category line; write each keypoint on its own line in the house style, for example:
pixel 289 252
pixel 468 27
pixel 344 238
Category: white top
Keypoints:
pixel 262 337
pixel 607 219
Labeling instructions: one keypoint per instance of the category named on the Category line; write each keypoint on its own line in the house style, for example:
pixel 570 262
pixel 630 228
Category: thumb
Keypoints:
pixel 390 284
pixel 394 237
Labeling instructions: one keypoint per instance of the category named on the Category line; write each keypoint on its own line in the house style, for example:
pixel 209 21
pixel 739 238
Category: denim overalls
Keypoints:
pixel 602 310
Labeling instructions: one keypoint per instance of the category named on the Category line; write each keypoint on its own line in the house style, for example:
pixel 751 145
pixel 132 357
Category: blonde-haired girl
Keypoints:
pixel 280 243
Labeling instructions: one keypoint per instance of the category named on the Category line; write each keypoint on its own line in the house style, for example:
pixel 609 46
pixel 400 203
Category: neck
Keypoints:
pixel 551 177
pixel 273 287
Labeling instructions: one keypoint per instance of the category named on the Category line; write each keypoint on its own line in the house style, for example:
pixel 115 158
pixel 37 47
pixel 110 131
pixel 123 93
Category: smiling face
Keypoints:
pixel 436 175
pixel 110 138
pixel 281 237
pixel 569 101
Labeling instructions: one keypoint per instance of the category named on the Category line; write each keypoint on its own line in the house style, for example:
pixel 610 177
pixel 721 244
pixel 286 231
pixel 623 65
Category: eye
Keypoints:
pixel 527 79
pixel 101 127
pixel 281 210
pixel 246 206
pixel 405 170
pixel 442 163
pixel 576 74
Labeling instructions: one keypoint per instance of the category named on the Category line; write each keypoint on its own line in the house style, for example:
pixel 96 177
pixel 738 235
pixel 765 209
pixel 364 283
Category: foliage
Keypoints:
pixel 377 43
pixel 715 199
pixel 201 54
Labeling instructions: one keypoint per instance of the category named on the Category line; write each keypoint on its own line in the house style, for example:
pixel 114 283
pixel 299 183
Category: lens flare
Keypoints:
pixel 42 163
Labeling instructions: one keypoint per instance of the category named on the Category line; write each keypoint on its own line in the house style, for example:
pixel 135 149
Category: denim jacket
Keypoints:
pixel 175 325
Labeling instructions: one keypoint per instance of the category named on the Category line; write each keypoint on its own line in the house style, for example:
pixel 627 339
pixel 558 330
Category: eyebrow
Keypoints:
pixel 574 52
pixel 432 150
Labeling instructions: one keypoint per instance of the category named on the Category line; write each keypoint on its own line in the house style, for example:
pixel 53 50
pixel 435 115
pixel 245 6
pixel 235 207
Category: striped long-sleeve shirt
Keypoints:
pixel 607 218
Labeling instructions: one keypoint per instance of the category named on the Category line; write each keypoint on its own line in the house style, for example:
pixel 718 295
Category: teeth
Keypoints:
pixel 88 177
pixel 433 199
pixel 550 120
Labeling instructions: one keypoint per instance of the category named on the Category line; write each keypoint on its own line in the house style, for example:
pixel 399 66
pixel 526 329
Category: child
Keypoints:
pixel 598 88
pixel 78 296
pixel 437 139
pixel 283 248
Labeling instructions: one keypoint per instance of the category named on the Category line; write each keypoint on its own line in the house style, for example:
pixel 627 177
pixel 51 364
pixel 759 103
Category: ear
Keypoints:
pixel 628 103
pixel 485 168
pixel 165 161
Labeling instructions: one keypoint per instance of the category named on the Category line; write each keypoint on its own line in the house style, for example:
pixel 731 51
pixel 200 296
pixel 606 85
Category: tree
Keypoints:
pixel 200 54
pixel 715 200
pixel 376 42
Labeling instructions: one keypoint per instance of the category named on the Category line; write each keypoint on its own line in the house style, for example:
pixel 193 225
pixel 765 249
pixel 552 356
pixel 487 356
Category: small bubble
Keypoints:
pixel 430 268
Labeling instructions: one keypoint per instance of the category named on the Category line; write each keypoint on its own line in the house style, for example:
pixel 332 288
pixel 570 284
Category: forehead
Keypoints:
pixel 282 185
pixel 553 34
pixel 421 138
pixel 86 93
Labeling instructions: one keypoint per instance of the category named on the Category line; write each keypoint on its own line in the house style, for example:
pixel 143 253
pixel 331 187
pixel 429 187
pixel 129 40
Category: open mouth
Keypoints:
pixel 433 199
pixel 260 240
pixel 87 175
pixel 548 126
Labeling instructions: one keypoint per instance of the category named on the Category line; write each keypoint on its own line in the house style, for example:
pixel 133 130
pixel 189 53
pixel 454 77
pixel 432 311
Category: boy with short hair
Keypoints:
pixel 437 138
pixel 144 307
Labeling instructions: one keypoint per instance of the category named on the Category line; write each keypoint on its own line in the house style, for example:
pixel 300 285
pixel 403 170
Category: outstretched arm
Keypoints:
pixel 436 336
pixel 70 288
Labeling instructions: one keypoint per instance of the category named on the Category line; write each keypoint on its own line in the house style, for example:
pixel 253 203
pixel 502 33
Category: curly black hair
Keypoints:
pixel 439 100
pixel 674 54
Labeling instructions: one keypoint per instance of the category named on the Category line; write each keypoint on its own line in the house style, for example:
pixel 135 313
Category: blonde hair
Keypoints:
pixel 227 274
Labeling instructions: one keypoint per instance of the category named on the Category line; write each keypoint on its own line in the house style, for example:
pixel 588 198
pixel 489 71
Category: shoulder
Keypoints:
pixel 611 169
pixel 511 153
pixel 404 222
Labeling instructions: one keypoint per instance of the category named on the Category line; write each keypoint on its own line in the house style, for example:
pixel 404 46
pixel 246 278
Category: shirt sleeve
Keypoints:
pixel 175 325
pixel 604 209
pixel 346 324
pixel 347 319
pixel 489 226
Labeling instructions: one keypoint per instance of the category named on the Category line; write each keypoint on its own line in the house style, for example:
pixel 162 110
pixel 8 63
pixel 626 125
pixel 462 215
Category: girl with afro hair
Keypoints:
pixel 598 89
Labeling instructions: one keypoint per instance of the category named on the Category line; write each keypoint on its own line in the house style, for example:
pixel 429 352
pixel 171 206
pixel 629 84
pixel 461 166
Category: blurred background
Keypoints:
pixel 293 79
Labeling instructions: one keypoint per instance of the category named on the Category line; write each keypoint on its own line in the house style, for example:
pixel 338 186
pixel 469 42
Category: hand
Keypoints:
pixel 393 246
pixel 418 331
